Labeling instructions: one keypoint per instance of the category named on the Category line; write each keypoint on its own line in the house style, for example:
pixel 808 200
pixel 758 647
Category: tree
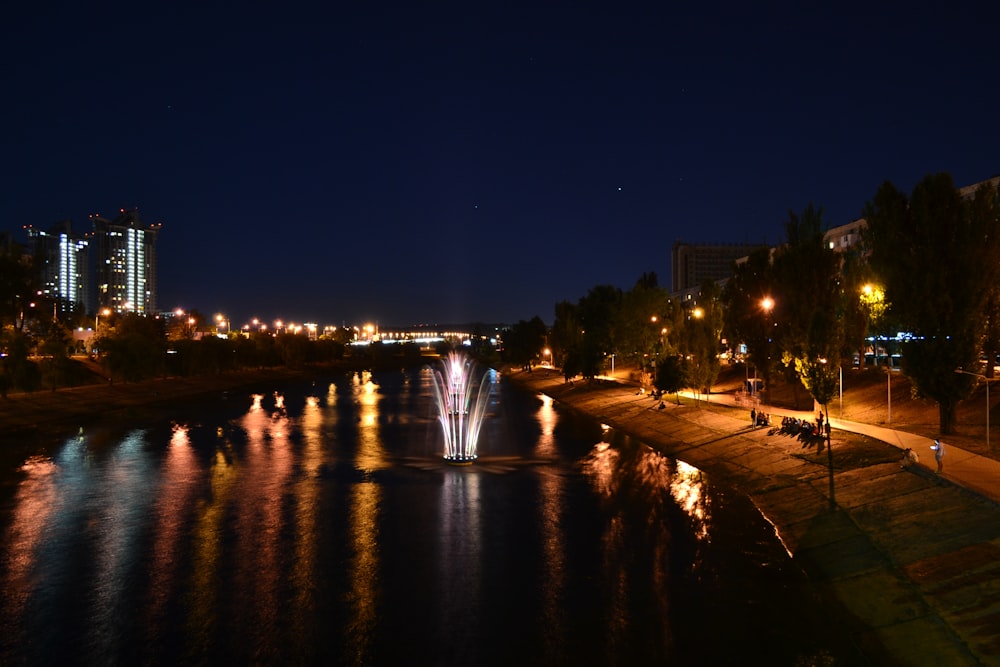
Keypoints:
pixel 566 337
pixel 135 349
pixel 697 336
pixel 19 371
pixel 294 349
pixel 671 376
pixel 810 304
pixel 17 286
pixel 864 303
pixel 642 319
pixel 598 312
pixel 938 255
pixel 991 335
pixel 744 318
pixel 54 350
pixel 524 341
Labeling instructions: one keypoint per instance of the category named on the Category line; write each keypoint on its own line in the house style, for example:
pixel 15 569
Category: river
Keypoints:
pixel 314 522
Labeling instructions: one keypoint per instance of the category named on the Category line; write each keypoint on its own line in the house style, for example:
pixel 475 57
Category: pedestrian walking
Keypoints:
pixel 938 455
pixel 753 417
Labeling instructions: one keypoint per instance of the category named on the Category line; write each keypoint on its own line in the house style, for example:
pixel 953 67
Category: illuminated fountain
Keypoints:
pixel 461 403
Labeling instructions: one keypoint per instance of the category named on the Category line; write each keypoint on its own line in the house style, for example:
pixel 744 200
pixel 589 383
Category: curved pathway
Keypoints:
pixel 962 467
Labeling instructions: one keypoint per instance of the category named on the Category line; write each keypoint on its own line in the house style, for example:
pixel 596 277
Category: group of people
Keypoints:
pixel 803 429
pixel 811 432
pixel 910 457
pixel 655 394
pixel 759 418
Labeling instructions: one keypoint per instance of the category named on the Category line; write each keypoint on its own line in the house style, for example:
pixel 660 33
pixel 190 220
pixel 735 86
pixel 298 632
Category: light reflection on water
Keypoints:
pixel 624 477
pixel 553 543
pixel 299 530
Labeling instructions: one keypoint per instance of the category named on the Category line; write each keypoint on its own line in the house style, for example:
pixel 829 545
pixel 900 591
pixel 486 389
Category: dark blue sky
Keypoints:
pixel 339 163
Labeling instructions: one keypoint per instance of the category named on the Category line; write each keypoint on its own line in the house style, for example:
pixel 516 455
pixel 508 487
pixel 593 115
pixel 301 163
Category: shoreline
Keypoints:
pixel 51 412
pixel 910 559
pixel 36 421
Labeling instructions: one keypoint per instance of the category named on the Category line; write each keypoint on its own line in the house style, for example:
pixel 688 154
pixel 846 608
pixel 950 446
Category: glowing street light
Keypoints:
pixel 767 305
pixel 97 317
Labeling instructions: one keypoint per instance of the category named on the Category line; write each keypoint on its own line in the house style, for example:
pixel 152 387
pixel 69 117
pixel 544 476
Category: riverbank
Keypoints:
pixel 46 412
pixel 44 418
pixel 911 559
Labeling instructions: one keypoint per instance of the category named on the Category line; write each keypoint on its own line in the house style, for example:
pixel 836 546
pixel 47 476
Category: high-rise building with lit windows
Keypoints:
pixel 61 259
pixel 125 264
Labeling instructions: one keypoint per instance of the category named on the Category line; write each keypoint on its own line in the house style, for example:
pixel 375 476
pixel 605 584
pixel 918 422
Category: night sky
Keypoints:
pixel 344 162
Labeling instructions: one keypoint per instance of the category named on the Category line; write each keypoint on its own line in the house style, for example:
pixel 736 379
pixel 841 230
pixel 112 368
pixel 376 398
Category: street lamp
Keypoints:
pixel 548 353
pixel 767 305
pixel 97 317
pixel 987 381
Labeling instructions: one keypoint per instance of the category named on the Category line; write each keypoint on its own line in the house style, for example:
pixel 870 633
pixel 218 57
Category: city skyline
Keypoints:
pixel 411 165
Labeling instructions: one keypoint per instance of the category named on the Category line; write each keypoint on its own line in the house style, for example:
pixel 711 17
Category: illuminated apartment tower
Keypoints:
pixel 125 263
pixel 61 259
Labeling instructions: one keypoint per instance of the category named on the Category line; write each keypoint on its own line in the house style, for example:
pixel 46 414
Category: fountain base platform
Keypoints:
pixel 459 460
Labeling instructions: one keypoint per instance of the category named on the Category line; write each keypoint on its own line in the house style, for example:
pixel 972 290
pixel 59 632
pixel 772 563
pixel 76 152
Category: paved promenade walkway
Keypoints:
pixel 972 471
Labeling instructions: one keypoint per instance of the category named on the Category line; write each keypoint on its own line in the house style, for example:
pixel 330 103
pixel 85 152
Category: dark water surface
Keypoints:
pixel 315 523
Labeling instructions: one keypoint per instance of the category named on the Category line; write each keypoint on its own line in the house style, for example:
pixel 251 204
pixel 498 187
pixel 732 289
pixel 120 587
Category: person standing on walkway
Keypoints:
pixel 938 455
pixel 753 417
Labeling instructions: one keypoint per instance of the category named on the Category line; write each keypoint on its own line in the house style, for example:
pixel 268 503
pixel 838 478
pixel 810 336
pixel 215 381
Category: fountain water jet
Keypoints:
pixel 461 402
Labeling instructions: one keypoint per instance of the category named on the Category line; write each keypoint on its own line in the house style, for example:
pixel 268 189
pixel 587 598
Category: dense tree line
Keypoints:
pixel 938 256
pixel 133 347
pixel 928 264
pixel 673 344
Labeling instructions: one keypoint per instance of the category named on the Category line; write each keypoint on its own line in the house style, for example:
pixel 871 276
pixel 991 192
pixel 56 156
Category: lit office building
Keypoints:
pixel 61 259
pixel 125 268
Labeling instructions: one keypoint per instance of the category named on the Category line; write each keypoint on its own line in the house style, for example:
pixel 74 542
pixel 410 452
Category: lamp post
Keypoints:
pixel 97 317
pixel 888 392
pixel 767 305
pixel 987 381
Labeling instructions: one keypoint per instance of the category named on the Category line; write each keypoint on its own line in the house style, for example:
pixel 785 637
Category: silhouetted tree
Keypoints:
pixel 598 312
pixel 809 305
pixel 56 366
pixel 699 337
pixel 644 313
pixel 523 342
pixel 671 376
pixel 744 317
pixel 566 337
pixel 135 348
pixel 938 256
pixel 18 287
pixel 19 371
